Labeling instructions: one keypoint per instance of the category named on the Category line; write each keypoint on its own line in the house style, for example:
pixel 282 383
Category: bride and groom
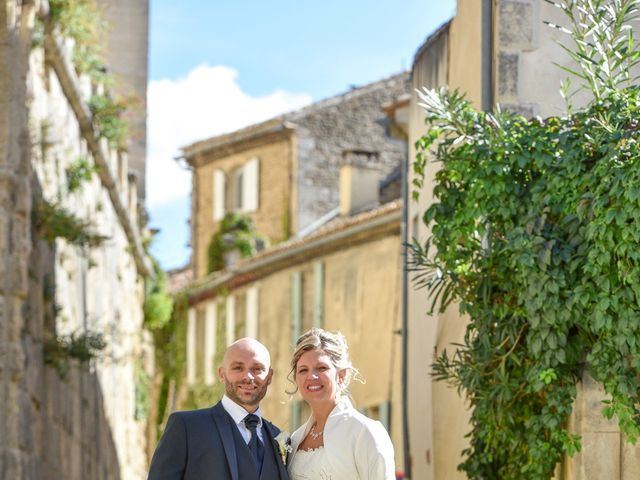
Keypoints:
pixel 232 440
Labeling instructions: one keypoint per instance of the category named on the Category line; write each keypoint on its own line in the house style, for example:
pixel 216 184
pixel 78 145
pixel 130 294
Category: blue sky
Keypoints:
pixel 216 66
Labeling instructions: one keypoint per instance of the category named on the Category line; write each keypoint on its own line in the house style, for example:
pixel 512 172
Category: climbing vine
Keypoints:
pixel 170 353
pixel 54 221
pixel 82 21
pixel 536 233
pixel 79 172
pixel 109 119
pixel 158 304
pixel 61 351
pixel 236 232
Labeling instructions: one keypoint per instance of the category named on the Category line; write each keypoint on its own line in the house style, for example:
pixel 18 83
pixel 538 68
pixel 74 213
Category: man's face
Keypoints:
pixel 246 374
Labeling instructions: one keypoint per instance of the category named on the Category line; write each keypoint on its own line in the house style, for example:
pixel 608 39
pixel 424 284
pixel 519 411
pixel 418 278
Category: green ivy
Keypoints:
pixel 142 392
pixel 170 353
pixel 82 21
pixel 79 172
pixel 236 232
pixel 108 117
pixel 61 351
pixel 536 235
pixel 158 305
pixel 54 221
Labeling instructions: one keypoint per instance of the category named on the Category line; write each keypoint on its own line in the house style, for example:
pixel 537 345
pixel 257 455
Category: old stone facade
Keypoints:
pixel 284 172
pixel 524 80
pixel 330 132
pixel 84 423
pixel 271 151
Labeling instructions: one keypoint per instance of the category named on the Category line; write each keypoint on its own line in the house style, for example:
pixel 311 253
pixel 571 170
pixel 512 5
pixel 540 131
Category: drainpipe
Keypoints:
pixel 487 55
pixel 405 320
pixel 404 165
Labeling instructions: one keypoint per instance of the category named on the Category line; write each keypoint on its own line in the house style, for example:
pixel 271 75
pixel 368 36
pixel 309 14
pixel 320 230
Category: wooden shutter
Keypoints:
pixel 211 312
pixel 251 186
pixel 251 312
pixel 191 346
pixel 218 195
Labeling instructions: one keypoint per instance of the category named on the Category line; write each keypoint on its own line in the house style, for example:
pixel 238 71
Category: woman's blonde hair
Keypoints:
pixel 334 344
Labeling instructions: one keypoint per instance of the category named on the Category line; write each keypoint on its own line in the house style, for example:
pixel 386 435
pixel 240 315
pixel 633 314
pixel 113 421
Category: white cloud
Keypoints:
pixel 205 103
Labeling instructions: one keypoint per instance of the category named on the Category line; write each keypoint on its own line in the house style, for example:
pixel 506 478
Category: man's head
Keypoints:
pixel 246 372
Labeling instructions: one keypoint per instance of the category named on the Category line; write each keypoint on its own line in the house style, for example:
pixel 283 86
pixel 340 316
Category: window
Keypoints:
pixel 219 195
pixel 191 347
pixel 296 306
pixel 380 412
pixel 251 185
pixel 252 312
pixel 210 330
pixel 237 191
pixel 243 192
pixel 195 345
pixel 318 294
pixel 231 319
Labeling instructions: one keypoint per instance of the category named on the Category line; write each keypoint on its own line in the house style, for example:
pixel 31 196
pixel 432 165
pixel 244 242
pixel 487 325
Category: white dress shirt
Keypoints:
pixel 237 414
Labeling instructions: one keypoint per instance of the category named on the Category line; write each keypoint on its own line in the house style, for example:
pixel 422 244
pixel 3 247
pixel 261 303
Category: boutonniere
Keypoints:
pixel 284 444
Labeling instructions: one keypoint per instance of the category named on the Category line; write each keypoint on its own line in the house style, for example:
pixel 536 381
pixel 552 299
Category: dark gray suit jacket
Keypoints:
pixel 199 445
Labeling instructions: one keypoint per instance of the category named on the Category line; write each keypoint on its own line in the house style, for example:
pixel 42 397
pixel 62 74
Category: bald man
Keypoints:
pixel 231 440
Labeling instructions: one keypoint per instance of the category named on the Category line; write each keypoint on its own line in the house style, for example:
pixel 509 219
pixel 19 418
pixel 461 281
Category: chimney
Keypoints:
pixel 359 187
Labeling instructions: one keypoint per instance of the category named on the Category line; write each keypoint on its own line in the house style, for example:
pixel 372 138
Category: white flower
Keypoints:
pixel 284 443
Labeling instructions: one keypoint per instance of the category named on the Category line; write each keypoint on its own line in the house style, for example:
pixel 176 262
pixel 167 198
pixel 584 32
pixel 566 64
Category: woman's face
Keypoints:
pixel 317 378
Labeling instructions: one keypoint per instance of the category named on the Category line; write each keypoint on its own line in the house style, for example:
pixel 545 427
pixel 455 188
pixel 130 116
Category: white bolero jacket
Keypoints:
pixel 356 447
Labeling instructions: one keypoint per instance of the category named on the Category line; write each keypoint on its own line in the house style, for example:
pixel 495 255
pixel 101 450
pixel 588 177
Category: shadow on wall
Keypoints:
pixel 66 432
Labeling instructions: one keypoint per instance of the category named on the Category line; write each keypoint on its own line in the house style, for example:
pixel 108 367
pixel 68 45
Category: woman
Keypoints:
pixel 337 442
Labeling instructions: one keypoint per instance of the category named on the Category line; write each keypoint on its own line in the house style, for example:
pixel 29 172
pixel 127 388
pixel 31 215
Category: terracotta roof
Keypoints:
pixel 283 253
pixel 340 223
pixel 179 278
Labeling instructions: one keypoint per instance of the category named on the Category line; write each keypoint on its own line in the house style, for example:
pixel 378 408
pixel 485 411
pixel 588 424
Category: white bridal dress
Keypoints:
pixel 309 465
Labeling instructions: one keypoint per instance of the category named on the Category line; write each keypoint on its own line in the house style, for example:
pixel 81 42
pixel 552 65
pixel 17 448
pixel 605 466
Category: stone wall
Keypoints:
pixel 526 50
pixel 82 424
pixel 326 130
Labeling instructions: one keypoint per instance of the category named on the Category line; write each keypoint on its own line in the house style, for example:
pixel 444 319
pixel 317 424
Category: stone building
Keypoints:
pixel 283 173
pixel 323 184
pixel 72 266
pixel 496 52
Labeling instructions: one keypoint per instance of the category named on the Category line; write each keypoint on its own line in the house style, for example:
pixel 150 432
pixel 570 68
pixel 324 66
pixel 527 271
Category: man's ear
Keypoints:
pixel 269 376
pixel 221 374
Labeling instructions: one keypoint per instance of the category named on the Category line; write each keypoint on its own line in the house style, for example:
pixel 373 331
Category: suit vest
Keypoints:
pixel 247 469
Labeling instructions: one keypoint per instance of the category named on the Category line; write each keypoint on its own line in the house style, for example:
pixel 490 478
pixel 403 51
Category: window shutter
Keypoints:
pixel 191 347
pixel 296 307
pixel 210 343
pixel 231 319
pixel 295 414
pixel 318 294
pixel 251 312
pixel 218 194
pixel 251 185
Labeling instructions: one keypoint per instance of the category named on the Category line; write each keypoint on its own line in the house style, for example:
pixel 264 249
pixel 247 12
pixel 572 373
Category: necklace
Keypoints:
pixel 313 432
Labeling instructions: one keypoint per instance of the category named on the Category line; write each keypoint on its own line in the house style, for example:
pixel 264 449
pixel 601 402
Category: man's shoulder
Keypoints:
pixel 191 414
